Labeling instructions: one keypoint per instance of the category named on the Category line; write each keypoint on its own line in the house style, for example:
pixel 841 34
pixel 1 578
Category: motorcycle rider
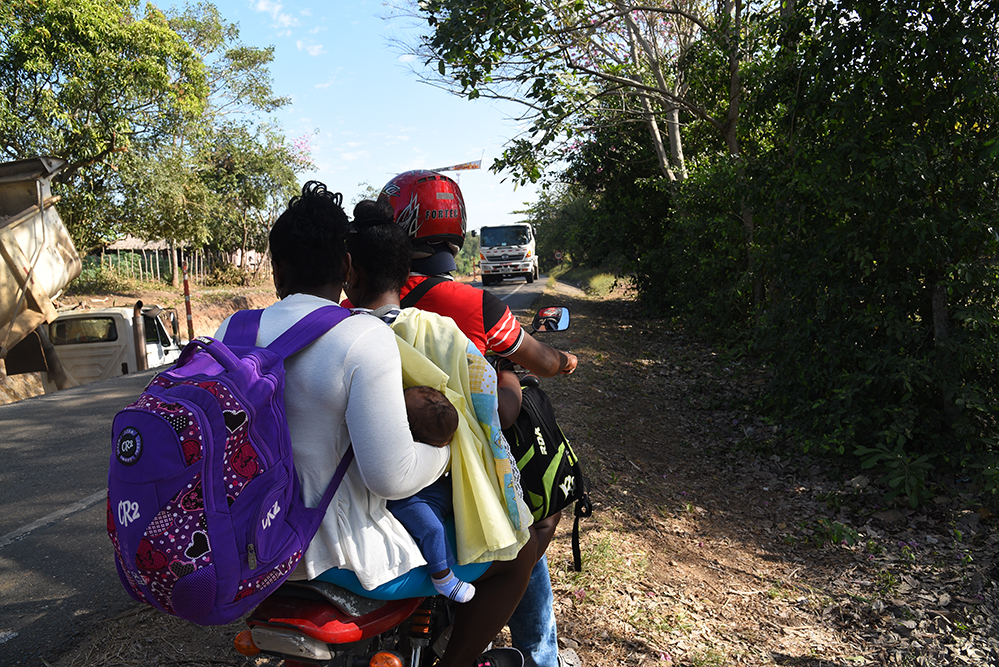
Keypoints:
pixel 431 209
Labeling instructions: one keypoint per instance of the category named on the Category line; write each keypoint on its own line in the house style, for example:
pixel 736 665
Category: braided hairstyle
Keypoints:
pixel 379 247
pixel 309 238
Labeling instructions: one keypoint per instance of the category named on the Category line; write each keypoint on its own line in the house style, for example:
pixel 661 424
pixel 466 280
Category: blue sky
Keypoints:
pixel 367 114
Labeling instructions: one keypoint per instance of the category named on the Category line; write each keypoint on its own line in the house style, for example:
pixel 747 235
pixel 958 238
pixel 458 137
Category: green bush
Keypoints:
pixel 696 268
pixel 96 278
pixel 230 275
pixel 876 244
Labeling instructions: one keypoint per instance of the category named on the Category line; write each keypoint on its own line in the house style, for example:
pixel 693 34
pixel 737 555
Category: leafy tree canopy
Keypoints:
pixel 85 80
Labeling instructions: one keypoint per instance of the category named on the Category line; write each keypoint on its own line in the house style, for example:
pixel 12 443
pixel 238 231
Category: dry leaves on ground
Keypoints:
pixel 714 542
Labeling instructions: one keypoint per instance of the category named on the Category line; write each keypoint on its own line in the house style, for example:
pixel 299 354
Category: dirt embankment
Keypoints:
pixel 208 308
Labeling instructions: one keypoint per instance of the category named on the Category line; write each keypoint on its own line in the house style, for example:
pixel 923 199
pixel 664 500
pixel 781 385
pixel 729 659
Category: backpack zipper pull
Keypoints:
pixel 251 556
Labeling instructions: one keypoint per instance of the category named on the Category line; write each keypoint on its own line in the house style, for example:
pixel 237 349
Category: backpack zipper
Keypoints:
pixel 251 556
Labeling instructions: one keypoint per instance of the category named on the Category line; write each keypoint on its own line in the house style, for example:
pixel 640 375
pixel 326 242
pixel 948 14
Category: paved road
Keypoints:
pixel 57 574
pixel 517 294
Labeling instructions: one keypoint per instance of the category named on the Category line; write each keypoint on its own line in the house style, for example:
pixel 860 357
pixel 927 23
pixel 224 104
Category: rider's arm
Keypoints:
pixel 542 359
pixel 507 338
pixel 510 398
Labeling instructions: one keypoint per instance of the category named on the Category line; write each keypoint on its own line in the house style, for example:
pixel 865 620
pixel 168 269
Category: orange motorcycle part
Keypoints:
pixel 325 622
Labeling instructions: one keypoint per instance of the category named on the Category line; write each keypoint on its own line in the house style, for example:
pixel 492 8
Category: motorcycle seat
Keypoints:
pixel 348 601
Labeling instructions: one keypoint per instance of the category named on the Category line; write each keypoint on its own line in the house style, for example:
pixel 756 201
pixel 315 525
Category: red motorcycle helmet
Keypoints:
pixel 429 207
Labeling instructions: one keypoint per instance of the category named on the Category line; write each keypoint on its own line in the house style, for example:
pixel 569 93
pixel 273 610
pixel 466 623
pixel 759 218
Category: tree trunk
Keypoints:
pixel 174 267
pixel 941 333
pixel 650 119
pixel 675 144
pixel 245 240
pixel 657 139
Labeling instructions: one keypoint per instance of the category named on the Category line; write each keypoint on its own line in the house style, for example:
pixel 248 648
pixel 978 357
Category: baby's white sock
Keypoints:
pixel 453 587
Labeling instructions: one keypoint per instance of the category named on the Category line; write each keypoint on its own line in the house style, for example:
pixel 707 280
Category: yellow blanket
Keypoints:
pixel 491 519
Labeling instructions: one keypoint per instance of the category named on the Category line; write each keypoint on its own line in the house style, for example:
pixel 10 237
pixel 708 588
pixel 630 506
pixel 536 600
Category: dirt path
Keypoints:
pixel 713 545
pixel 710 543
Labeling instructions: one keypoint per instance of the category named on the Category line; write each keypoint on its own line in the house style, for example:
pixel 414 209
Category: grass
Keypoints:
pixel 592 281
pixel 653 626
pixel 708 658
pixel 100 280
pixel 605 566
pixel 886 584
pixel 779 591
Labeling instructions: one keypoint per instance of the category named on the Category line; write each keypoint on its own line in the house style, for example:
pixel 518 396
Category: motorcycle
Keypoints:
pixel 309 623
pixel 314 622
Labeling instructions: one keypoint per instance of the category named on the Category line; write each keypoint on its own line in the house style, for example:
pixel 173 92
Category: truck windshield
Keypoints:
pixel 84 330
pixel 503 236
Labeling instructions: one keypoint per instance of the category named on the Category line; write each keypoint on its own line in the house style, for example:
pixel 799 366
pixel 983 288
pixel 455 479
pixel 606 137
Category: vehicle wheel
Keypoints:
pixel 486 282
pixel 530 278
pixel 537 273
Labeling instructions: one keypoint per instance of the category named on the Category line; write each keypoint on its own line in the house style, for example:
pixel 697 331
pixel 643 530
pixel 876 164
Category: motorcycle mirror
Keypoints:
pixel 552 318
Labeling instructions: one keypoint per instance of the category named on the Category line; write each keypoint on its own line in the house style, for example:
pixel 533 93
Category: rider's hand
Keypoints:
pixel 570 363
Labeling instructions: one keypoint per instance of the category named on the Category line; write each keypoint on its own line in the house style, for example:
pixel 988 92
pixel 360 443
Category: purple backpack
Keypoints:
pixel 204 507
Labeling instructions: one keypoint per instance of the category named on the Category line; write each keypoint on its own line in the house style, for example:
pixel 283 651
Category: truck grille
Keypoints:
pixel 506 257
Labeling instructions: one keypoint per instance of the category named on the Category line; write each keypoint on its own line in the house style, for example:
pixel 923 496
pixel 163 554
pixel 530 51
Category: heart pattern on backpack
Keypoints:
pixel 192 451
pixel 199 546
pixel 148 558
pixel 244 461
pixel 179 422
pixel 251 586
pixel 193 501
pixel 234 419
pixel 210 387
pixel 160 523
pixel 110 519
pixel 181 568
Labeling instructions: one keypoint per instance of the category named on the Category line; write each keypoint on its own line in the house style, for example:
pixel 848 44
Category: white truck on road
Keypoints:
pixel 103 343
pixel 507 251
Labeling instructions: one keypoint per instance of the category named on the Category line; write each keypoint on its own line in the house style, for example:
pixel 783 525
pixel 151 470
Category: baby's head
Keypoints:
pixel 432 418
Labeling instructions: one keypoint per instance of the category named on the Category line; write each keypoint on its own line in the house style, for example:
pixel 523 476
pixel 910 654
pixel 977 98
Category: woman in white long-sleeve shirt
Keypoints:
pixel 347 388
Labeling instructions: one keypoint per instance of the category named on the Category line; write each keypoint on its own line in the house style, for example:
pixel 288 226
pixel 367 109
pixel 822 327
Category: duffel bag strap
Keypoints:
pixel 583 509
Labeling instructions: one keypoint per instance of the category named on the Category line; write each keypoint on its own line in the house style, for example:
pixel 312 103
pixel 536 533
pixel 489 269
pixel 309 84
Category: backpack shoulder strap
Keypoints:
pixel 417 292
pixel 242 329
pixel 334 484
pixel 308 329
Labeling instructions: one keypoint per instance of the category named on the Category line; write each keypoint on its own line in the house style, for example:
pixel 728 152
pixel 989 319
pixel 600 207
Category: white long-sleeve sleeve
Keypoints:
pixel 391 463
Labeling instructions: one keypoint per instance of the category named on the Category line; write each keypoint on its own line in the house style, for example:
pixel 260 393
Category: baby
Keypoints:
pixel 433 420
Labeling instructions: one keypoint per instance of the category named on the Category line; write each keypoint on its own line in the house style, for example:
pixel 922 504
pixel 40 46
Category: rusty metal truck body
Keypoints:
pixel 37 256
